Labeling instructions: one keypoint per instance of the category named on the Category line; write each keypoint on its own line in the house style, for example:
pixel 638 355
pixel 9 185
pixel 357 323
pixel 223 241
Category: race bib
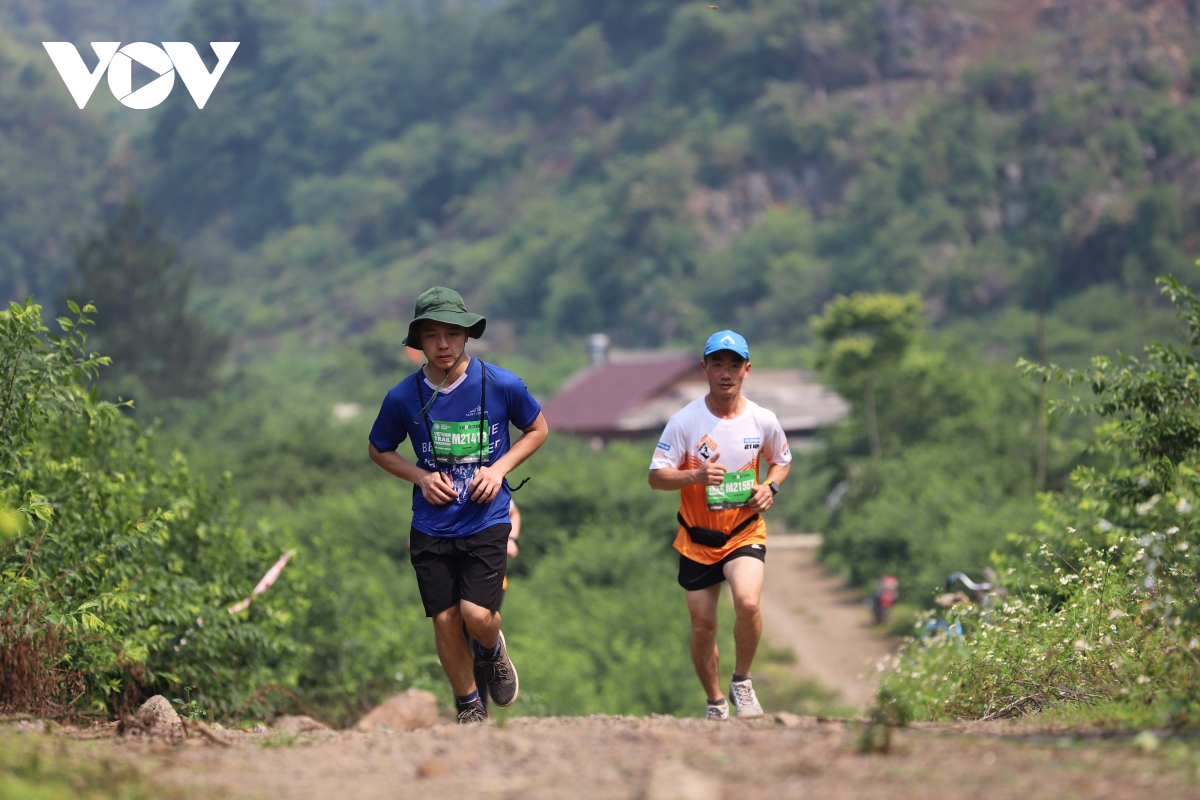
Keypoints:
pixel 734 491
pixel 459 442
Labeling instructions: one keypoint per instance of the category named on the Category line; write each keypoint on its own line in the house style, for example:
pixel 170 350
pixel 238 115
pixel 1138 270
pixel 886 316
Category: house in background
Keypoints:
pixel 632 394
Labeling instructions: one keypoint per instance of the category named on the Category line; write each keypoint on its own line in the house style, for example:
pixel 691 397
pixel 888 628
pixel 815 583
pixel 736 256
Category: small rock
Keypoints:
pixel 299 724
pixel 789 720
pixel 432 769
pixel 409 710
pixel 1146 741
pixel 30 726
pixel 158 711
pixel 259 728
pixel 676 782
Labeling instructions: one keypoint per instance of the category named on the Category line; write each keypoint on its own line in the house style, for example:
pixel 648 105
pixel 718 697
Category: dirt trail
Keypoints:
pixel 655 758
pixel 825 624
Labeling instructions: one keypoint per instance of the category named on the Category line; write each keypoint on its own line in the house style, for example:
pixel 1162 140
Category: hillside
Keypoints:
pixel 649 168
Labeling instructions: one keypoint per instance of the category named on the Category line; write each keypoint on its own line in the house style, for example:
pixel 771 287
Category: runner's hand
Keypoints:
pixel 761 498
pixel 486 484
pixel 437 488
pixel 712 473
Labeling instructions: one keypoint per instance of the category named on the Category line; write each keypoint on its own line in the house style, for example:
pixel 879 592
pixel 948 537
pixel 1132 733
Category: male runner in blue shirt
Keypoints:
pixel 457 411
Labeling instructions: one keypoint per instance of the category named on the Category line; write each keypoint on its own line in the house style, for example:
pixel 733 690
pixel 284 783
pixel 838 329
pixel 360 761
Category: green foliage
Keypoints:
pixel 863 334
pixel 51 155
pixel 956 476
pixel 1105 608
pixel 42 768
pixel 119 555
pixel 298 65
pixel 130 272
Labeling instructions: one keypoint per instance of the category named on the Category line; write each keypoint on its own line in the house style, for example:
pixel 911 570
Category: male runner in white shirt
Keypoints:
pixel 711 451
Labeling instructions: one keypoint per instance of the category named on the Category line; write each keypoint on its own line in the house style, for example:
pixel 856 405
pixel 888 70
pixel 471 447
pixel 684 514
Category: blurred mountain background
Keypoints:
pixel 649 169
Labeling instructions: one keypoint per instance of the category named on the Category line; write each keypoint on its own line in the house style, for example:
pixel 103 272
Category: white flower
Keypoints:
pixel 1183 506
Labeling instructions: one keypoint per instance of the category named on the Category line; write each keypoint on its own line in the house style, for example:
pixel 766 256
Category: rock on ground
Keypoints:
pixel 158 711
pixel 672 781
pixel 406 711
pixel 299 724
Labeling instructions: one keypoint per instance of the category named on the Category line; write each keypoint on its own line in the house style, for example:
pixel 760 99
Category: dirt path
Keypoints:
pixel 824 624
pixel 655 758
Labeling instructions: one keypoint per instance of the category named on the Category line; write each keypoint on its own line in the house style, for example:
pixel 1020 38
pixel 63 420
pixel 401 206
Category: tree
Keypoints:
pixel 132 276
pixel 864 333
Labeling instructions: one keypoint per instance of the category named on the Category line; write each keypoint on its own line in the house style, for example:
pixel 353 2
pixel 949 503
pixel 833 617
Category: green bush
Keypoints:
pixel 119 557
pixel 1105 609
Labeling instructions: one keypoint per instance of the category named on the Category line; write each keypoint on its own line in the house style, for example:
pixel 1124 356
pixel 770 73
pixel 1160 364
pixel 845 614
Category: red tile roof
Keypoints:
pixel 595 401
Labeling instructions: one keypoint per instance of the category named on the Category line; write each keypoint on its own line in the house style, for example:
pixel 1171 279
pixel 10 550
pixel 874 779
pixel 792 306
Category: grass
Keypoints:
pixel 45 768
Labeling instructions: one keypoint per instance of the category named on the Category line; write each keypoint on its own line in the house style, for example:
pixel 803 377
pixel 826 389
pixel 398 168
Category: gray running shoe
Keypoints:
pixel 472 712
pixel 501 676
pixel 744 699
pixel 717 710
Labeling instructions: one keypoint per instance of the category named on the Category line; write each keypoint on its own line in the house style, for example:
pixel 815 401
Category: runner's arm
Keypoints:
pixel 668 479
pixel 436 487
pixel 762 497
pixel 487 480
pixel 514 519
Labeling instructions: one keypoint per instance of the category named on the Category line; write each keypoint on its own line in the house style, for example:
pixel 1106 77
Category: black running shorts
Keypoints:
pixel 695 576
pixel 468 568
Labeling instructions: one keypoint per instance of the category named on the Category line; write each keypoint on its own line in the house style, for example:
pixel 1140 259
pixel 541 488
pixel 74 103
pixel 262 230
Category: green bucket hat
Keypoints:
pixel 443 305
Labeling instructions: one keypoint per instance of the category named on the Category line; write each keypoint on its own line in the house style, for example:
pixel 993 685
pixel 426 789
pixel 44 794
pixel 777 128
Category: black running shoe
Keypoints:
pixel 472 712
pixel 501 676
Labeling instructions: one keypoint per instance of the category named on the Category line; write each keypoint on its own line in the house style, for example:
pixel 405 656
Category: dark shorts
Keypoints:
pixel 695 576
pixel 468 568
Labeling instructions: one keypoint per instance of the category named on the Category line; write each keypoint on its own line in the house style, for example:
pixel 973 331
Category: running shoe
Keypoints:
pixel 717 710
pixel 472 712
pixel 500 675
pixel 745 702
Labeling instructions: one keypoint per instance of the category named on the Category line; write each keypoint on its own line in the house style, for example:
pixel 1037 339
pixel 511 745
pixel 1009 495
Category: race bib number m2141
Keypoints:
pixel 459 442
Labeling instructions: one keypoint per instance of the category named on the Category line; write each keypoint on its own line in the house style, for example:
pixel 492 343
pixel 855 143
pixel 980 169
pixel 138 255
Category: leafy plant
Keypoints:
pixel 1105 609
pixel 118 584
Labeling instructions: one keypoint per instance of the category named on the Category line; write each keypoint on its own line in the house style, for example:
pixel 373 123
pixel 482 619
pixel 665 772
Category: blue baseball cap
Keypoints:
pixel 727 340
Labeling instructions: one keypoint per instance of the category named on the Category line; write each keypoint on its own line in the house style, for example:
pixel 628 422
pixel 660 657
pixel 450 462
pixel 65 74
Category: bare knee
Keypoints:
pixel 704 626
pixel 478 616
pixel 450 619
pixel 745 607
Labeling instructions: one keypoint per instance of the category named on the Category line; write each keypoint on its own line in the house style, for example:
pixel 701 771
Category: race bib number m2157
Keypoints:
pixel 734 491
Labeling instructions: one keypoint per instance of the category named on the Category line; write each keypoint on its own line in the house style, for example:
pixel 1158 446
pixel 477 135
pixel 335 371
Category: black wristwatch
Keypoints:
pixel 774 487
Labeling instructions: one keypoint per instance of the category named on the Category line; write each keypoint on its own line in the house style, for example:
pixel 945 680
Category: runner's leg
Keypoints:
pixel 457 659
pixel 745 576
pixel 702 606
pixel 482 625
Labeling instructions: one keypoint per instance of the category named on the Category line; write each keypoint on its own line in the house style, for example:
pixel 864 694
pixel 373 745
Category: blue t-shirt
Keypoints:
pixel 453 421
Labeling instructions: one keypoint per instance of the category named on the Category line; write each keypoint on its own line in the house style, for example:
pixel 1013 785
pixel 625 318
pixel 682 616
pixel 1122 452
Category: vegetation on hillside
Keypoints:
pixel 1097 607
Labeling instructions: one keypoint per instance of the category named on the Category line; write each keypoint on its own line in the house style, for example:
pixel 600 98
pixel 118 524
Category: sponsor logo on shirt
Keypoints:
pixel 752 442
pixel 474 412
pixel 707 447
pixel 666 448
